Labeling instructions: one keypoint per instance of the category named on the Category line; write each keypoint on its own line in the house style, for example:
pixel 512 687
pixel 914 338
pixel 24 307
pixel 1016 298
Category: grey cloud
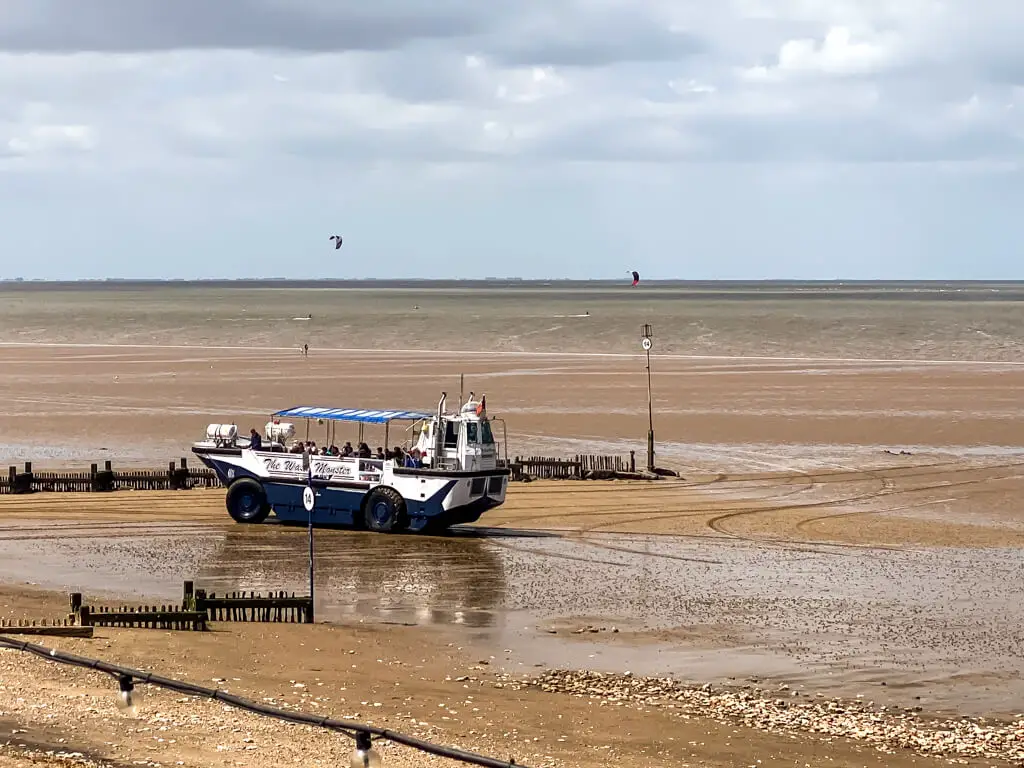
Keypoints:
pixel 227 104
pixel 578 33
pixel 589 42
pixel 296 25
pixel 425 76
pixel 523 33
pixel 652 46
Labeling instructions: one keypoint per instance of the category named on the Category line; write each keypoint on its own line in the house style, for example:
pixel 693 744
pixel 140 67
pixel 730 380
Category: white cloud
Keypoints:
pixel 294 89
pixel 57 139
pixel 437 85
pixel 838 54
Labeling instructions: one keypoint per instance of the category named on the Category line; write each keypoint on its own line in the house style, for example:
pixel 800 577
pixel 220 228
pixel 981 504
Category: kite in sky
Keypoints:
pixel 636 277
pixel 337 244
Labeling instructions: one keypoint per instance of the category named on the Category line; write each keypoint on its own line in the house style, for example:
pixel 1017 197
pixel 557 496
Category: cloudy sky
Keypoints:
pixel 536 138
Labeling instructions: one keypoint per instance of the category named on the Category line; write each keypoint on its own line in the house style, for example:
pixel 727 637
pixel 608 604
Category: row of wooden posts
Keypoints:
pixel 196 610
pixel 180 476
pixel 177 476
pixel 579 467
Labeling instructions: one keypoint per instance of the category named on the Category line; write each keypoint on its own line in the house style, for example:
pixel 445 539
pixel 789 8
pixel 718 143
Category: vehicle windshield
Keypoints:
pixel 486 437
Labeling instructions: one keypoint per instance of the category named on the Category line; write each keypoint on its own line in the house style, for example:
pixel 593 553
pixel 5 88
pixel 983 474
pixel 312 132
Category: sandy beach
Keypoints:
pixel 845 525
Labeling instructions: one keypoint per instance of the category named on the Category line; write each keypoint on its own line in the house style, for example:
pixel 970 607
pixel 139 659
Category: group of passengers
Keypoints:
pixel 404 458
pixel 412 458
pixel 362 452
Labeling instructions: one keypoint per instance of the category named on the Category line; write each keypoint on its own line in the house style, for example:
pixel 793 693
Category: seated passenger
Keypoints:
pixel 364 451
pixel 346 450
pixel 380 453
pixel 255 441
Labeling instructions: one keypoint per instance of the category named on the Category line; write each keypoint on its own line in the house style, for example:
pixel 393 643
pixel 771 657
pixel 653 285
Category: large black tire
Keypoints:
pixel 384 510
pixel 247 501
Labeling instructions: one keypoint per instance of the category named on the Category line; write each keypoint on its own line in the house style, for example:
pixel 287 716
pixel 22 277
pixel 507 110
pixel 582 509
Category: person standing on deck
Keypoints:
pixel 255 441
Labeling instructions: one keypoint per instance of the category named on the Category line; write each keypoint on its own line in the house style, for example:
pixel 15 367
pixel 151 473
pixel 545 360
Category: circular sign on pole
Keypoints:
pixel 646 344
pixel 308 498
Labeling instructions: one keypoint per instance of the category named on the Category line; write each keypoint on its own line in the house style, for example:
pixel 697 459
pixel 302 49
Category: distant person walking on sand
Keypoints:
pixel 305 350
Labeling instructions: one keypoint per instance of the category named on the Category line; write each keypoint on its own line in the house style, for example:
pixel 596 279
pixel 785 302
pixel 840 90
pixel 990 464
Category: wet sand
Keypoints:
pixel 414 680
pixel 145 405
pixel 715 579
pixel 793 549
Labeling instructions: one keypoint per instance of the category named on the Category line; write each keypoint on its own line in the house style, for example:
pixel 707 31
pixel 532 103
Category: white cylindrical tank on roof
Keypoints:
pixel 221 432
pixel 279 433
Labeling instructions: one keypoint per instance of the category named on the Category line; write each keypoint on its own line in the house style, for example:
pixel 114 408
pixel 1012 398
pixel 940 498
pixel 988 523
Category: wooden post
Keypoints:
pixel 76 602
pixel 632 461
pixel 188 598
pixel 107 466
pixel 22 483
pixel 184 462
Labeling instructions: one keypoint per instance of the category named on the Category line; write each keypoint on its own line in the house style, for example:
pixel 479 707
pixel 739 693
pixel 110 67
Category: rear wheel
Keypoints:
pixel 384 510
pixel 247 501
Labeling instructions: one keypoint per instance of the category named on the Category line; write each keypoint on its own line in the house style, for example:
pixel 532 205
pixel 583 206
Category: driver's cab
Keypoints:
pixel 475 446
pixel 462 441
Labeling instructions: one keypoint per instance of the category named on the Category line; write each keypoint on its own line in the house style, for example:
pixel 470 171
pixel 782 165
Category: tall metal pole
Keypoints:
pixel 645 339
pixel 311 588
pixel 650 417
pixel 309 501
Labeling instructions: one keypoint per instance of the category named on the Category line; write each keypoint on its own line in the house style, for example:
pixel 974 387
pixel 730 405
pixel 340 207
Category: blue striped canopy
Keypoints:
pixel 361 415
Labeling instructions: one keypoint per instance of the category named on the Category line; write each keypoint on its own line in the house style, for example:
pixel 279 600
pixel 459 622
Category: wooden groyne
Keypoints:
pixel 143 617
pixel 197 609
pixel 56 628
pixel 138 617
pixel 178 476
pixel 276 607
pixel 579 467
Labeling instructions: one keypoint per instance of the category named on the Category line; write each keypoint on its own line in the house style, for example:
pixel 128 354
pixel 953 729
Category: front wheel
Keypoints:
pixel 384 511
pixel 247 501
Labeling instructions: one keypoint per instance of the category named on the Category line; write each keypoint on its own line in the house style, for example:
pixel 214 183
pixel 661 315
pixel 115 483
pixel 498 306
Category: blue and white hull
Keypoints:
pixel 349 491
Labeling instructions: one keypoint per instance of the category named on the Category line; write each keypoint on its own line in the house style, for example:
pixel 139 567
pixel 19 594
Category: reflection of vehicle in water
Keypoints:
pixel 438 580
pixel 454 475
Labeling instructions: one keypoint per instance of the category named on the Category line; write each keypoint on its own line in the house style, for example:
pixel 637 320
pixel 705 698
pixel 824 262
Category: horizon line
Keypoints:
pixel 15 281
